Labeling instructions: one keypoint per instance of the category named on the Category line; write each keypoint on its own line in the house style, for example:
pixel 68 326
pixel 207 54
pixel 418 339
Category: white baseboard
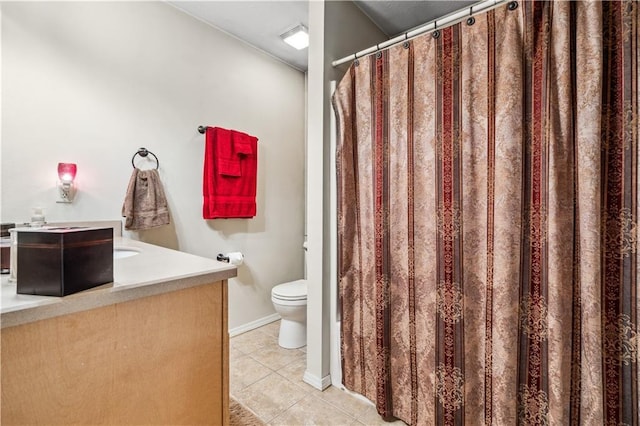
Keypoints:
pixel 317 382
pixel 253 325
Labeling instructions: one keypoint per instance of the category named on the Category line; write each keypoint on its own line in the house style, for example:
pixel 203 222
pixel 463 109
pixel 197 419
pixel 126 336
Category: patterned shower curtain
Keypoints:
pixel 488 219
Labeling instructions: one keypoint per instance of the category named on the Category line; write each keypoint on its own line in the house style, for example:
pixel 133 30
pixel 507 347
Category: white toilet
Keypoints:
pixel 290 301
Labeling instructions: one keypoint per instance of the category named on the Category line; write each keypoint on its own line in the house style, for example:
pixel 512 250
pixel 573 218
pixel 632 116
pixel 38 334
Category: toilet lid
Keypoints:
pixel 295 290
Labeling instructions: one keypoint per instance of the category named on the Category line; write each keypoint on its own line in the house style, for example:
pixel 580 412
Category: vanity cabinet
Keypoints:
pixel 159 359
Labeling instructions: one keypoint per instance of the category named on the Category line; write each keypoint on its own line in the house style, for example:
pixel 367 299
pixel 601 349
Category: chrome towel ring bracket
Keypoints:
pixel 144 152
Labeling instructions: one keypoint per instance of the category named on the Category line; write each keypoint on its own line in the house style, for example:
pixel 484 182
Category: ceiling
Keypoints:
pixel 260 23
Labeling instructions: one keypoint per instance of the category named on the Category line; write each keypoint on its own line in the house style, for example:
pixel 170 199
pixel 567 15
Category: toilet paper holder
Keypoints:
pixel 235 258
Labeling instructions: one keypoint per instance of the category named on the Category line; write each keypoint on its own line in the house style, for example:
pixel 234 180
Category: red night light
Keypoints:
pixel 67 172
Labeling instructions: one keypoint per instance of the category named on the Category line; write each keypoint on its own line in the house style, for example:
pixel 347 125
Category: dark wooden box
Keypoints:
pixel 63 261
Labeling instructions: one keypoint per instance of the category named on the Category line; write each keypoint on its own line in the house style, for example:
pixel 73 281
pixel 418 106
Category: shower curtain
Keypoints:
pixel 488 219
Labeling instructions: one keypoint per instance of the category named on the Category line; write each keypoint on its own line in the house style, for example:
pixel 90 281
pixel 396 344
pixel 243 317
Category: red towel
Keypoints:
pixel 230 171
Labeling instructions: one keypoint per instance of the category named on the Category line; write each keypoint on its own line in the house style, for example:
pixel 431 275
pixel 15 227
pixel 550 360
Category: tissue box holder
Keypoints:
pixel 63 261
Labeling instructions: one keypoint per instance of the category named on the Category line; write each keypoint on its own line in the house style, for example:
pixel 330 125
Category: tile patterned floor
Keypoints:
pixel 267 379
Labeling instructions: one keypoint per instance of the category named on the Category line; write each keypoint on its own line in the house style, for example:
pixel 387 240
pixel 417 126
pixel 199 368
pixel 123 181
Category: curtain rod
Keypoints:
pixel 433 25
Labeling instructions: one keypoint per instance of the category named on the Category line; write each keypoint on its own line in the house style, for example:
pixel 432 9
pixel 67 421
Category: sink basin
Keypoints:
pixel 122 252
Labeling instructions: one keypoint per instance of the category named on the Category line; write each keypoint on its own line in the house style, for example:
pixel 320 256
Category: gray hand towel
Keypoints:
pixel 145 205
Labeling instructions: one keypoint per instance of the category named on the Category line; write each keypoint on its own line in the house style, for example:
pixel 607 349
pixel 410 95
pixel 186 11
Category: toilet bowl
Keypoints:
pixel 290 301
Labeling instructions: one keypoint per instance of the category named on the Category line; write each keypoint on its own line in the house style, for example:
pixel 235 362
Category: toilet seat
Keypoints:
pixel 291 291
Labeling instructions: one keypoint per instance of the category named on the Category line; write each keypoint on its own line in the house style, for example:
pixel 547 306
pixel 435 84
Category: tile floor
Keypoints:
pixel 267 379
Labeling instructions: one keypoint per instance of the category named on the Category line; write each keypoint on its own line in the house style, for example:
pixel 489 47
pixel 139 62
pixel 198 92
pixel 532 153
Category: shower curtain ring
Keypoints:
pixel 513 5
pixel 471 20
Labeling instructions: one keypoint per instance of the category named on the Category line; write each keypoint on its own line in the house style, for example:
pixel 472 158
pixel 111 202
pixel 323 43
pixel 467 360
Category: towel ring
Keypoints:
pixel 143 152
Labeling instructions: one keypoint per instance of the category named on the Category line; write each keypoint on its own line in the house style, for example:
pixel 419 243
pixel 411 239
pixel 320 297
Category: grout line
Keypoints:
pixel 299 383
pixel 338 408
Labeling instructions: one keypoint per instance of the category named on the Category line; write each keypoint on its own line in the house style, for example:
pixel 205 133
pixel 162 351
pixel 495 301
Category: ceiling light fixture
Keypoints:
pixel 297 37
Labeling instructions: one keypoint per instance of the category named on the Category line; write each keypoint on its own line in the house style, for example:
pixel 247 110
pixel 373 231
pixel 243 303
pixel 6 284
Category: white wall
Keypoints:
pixel 315 374
pixel 91 82
pixel 336 29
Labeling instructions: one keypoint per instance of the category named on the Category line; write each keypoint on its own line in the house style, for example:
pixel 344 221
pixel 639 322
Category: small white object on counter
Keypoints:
pixel 37 218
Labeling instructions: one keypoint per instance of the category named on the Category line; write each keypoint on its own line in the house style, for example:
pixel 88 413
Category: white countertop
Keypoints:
pixel 154 270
